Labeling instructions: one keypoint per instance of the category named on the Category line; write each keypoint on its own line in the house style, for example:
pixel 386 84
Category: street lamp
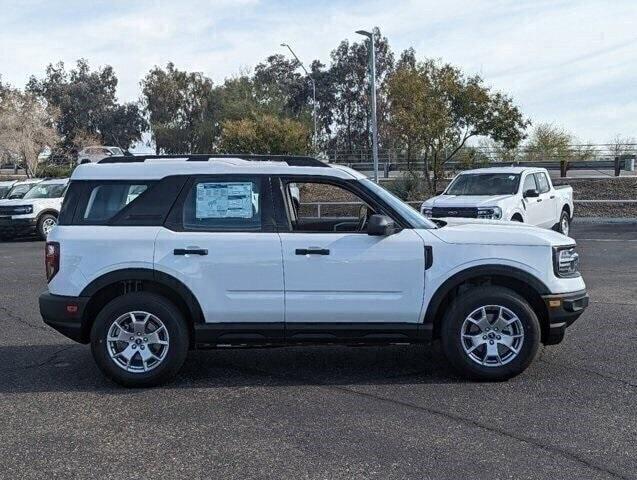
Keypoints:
pixel 313 91
pixel 372 48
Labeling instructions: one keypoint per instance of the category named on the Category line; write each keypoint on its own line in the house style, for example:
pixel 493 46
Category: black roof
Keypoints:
pixel 292 160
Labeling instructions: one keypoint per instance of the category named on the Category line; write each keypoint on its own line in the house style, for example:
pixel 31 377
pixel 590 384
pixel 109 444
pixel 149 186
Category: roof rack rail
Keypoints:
pixel 291 160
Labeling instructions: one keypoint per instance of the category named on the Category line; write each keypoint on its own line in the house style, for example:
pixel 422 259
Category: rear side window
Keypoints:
pixel 224 205
pixel 108 199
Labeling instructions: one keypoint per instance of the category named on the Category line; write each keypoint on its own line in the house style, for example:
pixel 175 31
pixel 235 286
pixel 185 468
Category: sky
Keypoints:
pixel 572 63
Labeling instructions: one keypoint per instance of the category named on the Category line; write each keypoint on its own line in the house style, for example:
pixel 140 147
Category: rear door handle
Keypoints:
pixel 539 200
pixel 312 251
pixel 552 197
pixel 190 251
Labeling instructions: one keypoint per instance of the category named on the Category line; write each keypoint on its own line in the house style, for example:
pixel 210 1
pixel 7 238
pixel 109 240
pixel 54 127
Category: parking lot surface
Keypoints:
pixel 327 412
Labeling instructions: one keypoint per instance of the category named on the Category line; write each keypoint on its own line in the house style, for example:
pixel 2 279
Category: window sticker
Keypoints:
pixel 225 200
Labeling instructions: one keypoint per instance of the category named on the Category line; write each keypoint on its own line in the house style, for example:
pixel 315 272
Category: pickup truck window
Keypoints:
pixel 529 183
pixel 542 182
pixel 484 184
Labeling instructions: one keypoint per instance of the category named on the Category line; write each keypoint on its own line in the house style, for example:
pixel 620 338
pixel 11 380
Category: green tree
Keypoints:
pixel 87 105
pixel 265 134
pixel 438 109
pixel 183 110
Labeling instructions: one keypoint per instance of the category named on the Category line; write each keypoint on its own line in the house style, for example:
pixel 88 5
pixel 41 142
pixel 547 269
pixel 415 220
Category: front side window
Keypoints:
pixel 106 200
pixel 4 191
pixel 484 184
pixel 224 205
pixel 529 183
pixel 52 190
pixel 323 207
pixel 542 182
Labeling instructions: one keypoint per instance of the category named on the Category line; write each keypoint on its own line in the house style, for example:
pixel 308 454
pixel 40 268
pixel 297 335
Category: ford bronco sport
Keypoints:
pixel 153 256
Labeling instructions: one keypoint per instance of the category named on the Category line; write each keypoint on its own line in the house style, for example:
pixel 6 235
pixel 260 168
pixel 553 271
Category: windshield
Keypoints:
pixel 484 184
pixel 19 191
pixel 4 191
pixel 51 190
pixel 412 216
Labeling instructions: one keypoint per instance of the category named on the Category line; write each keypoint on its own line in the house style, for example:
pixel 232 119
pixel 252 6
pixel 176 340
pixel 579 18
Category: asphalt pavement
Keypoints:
pixel 327 412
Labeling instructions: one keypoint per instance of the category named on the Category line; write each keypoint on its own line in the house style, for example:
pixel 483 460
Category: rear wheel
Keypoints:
pixel 564 225
pixel 46 224
pixel 139 340
pixel 490 333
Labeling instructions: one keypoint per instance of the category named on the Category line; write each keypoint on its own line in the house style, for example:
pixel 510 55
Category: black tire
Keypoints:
pixel 172 319
pixel 565 218
pixel 468 302
pixel 40 227
pixel 517 218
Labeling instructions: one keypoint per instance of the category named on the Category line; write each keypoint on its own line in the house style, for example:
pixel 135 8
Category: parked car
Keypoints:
pixel 214 253
pixel 5 186
pixel 37 211
pixel 518 194
pixel 96 153
pixel 20 188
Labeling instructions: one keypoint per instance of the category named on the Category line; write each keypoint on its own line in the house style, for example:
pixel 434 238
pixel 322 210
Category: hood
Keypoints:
pixel 18 201
pixel 497 232
pixel 465 200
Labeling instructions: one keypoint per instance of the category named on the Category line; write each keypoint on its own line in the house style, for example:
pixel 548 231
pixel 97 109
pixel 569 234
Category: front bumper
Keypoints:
pixel 64 314
pixel 563 309
pixel 17 226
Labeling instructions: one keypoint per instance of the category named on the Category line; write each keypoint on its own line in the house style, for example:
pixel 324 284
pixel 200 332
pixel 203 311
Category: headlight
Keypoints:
pixel 491 213
pixel 23 210
pixel 427 211
pixel 565 262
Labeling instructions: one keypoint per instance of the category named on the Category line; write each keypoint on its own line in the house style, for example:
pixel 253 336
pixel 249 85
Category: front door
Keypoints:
pixel 221 242
pixel 335 272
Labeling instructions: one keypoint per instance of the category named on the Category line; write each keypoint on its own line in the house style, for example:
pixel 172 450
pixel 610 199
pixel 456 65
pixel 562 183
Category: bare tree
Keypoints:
pixel 620 145
pixel 27 126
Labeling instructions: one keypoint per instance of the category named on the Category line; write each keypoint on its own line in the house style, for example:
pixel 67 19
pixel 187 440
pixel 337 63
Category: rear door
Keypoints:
pixel 220 240
pixel 335 273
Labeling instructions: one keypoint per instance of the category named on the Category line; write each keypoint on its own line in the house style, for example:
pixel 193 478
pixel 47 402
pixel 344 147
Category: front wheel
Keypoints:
pixel 490 333
pixel 140 340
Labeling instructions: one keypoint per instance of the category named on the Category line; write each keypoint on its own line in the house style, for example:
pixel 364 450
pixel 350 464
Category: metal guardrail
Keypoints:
pixel 320 206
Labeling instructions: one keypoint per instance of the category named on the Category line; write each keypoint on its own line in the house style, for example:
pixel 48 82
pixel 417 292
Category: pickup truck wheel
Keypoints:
pixel 490 333
pixel 564 226
pixel 46 224
pixel 139 340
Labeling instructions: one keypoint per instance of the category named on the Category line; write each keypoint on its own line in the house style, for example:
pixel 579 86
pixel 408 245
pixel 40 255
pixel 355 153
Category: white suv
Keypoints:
pixel 155 256
pixel 97 153
pixel 35 211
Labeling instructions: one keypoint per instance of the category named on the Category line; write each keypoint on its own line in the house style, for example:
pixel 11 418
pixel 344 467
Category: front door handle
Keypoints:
pixel 190 251
pixel 539 200
pixel 312 251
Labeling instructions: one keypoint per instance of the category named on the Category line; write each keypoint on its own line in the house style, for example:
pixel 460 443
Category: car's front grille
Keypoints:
pixel 462 212
pixel 11 210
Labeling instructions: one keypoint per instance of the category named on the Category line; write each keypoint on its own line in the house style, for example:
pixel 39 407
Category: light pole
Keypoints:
pixel 370 36
pixel 314 138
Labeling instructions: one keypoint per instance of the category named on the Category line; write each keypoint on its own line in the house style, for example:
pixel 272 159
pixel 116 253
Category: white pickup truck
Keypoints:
pixel 518 194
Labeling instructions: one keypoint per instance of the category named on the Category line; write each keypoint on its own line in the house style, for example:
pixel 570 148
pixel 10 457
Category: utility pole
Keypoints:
pixel 315 136
pixel 372 48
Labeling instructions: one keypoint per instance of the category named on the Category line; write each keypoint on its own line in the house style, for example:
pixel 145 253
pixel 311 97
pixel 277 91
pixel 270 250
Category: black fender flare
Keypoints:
pixel 141 274
pixel 477 272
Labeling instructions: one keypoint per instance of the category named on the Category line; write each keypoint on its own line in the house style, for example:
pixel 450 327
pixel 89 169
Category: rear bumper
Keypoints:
pixel 17 226
pixel 563 310
pixel 64 314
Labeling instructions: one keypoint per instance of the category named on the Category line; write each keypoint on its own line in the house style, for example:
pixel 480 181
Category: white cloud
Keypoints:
pixel 573 63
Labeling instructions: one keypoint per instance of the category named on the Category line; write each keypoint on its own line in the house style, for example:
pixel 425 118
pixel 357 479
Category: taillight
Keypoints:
pixel 51 259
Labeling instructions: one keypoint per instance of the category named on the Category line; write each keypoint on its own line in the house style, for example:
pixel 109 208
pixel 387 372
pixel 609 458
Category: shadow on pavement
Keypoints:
pixel 70 367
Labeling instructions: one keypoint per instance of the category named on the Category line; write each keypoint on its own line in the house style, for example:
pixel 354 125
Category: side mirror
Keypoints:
pixel 380 225
pixel 440 192
pixel 531 193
